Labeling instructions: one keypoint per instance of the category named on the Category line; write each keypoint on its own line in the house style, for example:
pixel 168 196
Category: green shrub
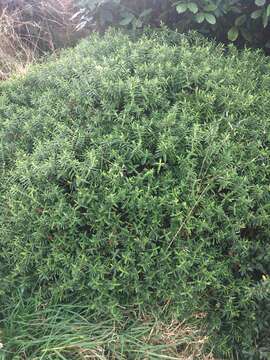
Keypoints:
pixel 135 174
pixel 243 21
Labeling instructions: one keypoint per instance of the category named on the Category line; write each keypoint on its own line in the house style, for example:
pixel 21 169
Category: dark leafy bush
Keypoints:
pixel 135 174
pixel 243 21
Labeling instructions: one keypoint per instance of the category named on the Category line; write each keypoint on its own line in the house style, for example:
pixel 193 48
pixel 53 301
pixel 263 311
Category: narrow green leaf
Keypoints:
pixel 193 7
pixel 268 10
pixel 181 8
pixel 265 19
pixel 211 19
pixel 233 33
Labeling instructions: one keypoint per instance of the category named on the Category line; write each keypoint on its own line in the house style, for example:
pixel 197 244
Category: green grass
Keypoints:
pixel 67 332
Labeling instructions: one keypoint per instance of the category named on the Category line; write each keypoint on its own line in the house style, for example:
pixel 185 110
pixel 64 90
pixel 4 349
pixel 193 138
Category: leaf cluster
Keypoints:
pixel 241 21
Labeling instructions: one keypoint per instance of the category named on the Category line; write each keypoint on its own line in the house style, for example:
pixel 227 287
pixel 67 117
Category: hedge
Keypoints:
pixel 135 175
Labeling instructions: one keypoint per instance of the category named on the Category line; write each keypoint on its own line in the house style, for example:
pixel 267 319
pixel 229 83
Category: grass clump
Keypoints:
pixel 68 332
pixel 135 178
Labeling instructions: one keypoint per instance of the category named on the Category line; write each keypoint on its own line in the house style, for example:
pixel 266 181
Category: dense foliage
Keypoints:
pixel 244 21
pixel 135 174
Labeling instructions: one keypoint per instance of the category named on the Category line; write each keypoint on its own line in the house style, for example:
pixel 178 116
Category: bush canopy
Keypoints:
pixel 135 175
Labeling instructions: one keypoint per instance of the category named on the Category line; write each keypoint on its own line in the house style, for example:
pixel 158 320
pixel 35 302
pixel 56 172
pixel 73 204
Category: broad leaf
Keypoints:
pixel 211 19
pixel 193 7
pixel 233 33
pixel 260 2
pixel 240 20
pixel 181 8
pixel 256 14
pixel 199 18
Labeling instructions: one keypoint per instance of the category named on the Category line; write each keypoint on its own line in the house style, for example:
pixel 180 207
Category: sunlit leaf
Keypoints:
pixel 193 7
pixel 181 8
pixel 199 18
pixel 256 14
pixel 211 19
pixel 260 2
pixel 268 10
pixel 265 19
pixel 233 33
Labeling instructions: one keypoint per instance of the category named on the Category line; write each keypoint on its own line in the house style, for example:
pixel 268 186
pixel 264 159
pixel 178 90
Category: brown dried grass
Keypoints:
pixel 172 341
pixel 180 341
pixel 15 55
pixel 30 29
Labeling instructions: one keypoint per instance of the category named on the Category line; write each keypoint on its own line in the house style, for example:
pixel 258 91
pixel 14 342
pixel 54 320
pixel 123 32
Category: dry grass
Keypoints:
pixel 180 341
pixel 62 334
pixel 15 54
pixel 30 30
pixel 172 341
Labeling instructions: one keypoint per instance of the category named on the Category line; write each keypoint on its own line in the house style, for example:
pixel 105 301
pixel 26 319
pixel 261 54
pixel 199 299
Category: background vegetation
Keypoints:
pixel 135 180
pixel 244 21
pixel 30 28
